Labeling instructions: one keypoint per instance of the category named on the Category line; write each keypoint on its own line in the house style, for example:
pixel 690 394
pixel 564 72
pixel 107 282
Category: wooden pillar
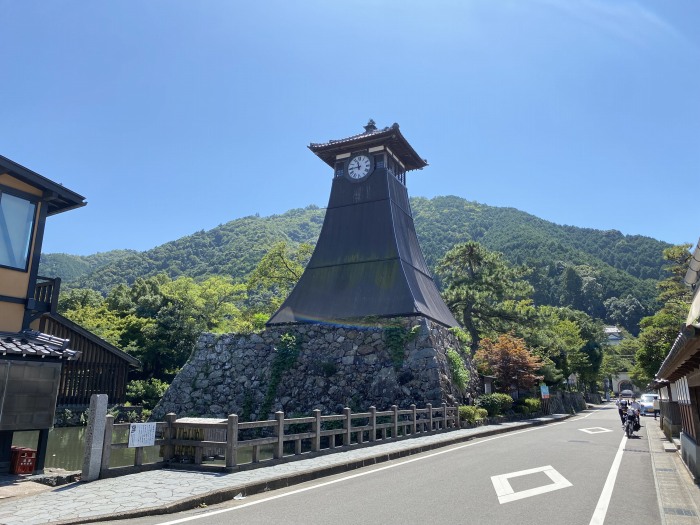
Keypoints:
pixel 347 426
pixel 316 428
pixel 279 432
pixel 231 440
pixel 169 435
pixel 373 423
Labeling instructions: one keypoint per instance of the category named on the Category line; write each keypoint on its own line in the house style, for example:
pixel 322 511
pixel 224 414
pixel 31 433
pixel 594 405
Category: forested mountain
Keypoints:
pixel 605 273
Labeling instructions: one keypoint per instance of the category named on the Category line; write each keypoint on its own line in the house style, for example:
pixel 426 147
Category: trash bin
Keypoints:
pixel 23 460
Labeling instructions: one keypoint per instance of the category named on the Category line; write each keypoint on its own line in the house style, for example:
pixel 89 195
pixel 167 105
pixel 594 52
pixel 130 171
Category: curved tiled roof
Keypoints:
pixel 30 343
pixel 390 136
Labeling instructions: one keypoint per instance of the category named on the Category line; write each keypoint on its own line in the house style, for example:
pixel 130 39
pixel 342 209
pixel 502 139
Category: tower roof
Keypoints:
pixel 390 136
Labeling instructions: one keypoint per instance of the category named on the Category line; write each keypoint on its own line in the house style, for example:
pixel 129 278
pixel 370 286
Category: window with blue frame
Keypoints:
pixel 17 216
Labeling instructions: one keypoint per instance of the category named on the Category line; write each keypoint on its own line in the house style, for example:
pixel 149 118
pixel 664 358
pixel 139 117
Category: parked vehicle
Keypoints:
pixel 647 402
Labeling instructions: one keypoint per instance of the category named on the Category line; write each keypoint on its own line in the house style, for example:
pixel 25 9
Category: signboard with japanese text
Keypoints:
pixel 544 389
pixel 142 435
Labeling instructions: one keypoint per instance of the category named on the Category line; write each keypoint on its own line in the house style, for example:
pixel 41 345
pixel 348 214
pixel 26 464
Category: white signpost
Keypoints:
pixel 142 435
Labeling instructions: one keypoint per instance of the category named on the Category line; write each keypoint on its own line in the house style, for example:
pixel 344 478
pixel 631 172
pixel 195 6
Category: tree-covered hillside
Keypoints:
pixel 605 273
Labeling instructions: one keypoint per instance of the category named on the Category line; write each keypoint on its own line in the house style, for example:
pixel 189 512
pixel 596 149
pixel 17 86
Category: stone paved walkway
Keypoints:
pixel 679 496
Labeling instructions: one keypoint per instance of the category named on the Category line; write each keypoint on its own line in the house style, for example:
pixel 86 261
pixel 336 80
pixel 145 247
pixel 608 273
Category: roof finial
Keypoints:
pixel 371 126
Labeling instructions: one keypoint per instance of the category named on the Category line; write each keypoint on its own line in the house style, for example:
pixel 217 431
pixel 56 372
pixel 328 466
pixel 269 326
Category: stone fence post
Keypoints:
pixel 94 438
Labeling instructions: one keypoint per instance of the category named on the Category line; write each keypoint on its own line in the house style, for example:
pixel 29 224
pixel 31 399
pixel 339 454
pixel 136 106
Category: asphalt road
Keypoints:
pixel 579 471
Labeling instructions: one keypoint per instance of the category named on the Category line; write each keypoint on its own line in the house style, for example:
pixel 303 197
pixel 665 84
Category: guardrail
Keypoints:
pixel 230 434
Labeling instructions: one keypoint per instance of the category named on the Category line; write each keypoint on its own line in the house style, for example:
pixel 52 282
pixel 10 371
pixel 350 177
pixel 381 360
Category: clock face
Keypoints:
pixel 359 167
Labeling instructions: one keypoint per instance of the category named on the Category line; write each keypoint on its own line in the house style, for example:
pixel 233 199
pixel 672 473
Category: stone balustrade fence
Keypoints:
pixel 192 439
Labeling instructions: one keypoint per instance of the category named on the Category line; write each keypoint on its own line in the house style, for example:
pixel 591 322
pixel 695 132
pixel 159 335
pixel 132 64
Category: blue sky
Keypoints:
pixel 172 117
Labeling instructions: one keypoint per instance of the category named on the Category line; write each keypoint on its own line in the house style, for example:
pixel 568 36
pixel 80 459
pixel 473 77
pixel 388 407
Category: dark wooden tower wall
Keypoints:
pixel 367 261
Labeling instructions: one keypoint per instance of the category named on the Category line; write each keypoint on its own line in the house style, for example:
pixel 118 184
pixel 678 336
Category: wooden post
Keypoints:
pixel 457 423
pixel 279 432
pixel 413 419
pixel 169 434
pixel 347 425
pixel 316 429
pixel 395 417
pixel 373 423
pixel 444 416
pixel 138 457
pixel 255 457
pixel 231 440
pixel 429 406
pixel 107 444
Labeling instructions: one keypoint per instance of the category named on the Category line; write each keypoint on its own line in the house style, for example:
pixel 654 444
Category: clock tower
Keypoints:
pixel 367 262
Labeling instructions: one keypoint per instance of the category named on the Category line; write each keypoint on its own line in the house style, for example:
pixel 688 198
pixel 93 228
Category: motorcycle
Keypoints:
pixel 631 423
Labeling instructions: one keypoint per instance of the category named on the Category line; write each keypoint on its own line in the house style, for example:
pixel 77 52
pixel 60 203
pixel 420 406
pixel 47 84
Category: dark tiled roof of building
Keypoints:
pixel 390 135
pixel 30 343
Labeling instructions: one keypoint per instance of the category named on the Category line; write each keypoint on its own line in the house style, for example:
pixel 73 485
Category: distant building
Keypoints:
pixel 613 335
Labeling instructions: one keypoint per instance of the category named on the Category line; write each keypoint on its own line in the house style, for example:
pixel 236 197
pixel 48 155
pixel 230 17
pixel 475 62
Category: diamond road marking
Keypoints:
pixel 506 494
pixel 595 430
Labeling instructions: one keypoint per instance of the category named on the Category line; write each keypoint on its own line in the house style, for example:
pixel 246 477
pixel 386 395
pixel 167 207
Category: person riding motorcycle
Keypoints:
pixel 622 409
pixel 634 408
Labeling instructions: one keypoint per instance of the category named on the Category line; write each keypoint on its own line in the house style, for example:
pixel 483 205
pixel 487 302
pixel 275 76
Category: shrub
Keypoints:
pixel 533 404
pixel 471 414
pixel 521 409
pixel 460 374
pixel 145 392
pixel 495 404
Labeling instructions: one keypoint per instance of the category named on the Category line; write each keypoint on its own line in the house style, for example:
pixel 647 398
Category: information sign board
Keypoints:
pixel 142 435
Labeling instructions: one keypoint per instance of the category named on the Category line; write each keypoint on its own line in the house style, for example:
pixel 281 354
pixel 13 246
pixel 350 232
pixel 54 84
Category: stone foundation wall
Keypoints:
pixel 331 367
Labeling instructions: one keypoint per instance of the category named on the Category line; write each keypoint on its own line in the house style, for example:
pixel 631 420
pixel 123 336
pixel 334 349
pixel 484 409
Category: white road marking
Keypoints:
pixel 506 494
pixel 601 508
pixel 595 430
pixel 379 469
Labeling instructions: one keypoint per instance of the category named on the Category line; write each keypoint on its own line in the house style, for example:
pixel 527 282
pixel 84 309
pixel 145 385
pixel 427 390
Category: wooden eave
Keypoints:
pixel 132 361
pixel 684 356
pixel 390 137
pixel 58 197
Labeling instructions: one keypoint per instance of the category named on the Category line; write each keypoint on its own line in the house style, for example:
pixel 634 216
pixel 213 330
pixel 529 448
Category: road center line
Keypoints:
pixel 477 441
pixel 601 508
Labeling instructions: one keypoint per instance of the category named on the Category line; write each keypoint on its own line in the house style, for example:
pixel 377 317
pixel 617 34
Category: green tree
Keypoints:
pixel 485 293
pixel 79 298
pixel 276 274
pixel 659 331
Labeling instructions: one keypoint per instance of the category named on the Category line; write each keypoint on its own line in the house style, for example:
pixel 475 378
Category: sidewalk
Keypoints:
pixel 164 491
pixel 678 495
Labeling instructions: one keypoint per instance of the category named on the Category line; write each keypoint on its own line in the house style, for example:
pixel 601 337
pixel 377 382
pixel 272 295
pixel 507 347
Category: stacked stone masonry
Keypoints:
pixel 336 367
